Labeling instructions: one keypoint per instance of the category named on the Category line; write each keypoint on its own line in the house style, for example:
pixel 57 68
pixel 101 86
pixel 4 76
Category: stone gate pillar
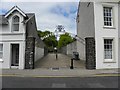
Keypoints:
pixel 90 53
pixel 29 53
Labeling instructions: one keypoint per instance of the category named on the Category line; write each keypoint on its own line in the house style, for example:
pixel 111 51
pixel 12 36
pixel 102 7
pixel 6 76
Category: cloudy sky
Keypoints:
pixel 48 14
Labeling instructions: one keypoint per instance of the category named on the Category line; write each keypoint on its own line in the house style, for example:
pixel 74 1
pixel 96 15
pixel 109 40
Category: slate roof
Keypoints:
pixel 29 15
pixel 4 20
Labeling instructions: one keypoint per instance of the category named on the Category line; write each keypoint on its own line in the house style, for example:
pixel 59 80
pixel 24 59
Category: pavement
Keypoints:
pixel 50 67
pixel 62 72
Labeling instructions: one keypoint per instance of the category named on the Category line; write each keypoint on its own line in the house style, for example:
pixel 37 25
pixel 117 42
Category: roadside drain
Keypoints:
pixel 55 68
pixel 58 85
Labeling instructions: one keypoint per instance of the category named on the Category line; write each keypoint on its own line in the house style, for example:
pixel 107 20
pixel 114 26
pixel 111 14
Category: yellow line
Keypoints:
pixel 52 76
pixel 32 76
pixel 8 75
pixel 107 75
pixel 36 76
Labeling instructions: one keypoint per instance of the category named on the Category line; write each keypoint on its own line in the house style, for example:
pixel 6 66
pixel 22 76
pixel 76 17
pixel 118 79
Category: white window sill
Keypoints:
pixel 15 31
pixel 106 61
pixel 109 27
pixel 1 61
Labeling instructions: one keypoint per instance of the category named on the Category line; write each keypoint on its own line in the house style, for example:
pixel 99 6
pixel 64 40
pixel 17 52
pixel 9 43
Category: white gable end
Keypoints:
pixel 13 9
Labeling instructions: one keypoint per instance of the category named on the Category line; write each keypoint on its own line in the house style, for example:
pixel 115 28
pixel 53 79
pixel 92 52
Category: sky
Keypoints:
pixel 48 14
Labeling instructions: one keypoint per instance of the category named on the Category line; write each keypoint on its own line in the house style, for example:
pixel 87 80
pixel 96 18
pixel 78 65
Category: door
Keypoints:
pixel 15 55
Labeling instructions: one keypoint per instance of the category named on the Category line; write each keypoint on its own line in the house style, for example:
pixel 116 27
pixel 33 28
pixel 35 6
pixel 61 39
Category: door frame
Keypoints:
pixel 16 67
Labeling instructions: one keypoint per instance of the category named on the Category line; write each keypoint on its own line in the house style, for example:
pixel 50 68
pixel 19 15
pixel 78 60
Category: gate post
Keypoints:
pixel 29 53
pixel 90 53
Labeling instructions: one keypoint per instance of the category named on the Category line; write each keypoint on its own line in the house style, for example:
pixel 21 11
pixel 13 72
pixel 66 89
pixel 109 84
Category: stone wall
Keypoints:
pixel 90 53
pixel 29 53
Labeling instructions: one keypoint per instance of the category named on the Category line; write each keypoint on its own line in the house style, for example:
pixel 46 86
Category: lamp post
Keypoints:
pixel 56 53
pixel 59 31
pixel 56 48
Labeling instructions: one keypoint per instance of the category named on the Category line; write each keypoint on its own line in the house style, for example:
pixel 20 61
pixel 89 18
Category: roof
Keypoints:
pixel 13 9
pixel 4 20
pixel 27 16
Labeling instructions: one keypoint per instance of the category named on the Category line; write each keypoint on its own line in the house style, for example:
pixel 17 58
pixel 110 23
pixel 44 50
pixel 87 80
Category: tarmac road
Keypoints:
pixel 59 82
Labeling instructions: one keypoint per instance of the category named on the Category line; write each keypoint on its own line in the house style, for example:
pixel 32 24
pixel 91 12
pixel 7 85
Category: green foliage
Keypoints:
pixel 49 41
pixel 45 33
pixel 64 40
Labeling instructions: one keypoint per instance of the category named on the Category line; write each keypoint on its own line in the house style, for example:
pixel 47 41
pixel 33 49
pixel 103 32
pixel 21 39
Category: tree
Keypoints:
pixel 64 40
pixel 50 41
pixel 44 33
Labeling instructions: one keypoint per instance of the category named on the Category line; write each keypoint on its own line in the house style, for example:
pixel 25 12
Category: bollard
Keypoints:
pixel 71 67
pixel 56 56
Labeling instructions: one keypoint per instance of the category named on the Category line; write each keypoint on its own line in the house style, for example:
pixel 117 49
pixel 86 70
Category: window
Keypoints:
pixel 15 23
pixel 1 51
pixel 108 48
pixel 108 16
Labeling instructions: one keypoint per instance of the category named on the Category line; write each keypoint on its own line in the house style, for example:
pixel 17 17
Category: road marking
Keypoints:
pixel 107 75
pixel 53 76
pixel 34 76
pixel 58 85
pixel 96 85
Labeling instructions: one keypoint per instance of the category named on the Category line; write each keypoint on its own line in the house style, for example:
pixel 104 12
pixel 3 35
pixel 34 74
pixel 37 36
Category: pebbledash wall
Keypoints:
pixel 85 26
pixel 90 23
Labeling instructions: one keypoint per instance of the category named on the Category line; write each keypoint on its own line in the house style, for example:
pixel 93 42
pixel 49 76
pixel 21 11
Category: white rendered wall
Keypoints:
pixel 119 34
pixel 119 54
pixel 101 33
pixel 71 48
pixel 81 50
pixel 8 38
pixel 39 53
pixel 7 54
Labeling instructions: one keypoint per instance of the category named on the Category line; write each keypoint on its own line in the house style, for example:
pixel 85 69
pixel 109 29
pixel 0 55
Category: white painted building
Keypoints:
pixel 15 27
pixel 99 19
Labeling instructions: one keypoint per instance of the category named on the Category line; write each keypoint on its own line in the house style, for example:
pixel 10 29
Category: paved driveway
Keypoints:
pixel 63 61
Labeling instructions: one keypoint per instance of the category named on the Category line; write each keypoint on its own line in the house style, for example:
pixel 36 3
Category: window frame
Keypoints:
pixel 113 51
pixel 112 16
pixel 1 58
pixel 15 23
